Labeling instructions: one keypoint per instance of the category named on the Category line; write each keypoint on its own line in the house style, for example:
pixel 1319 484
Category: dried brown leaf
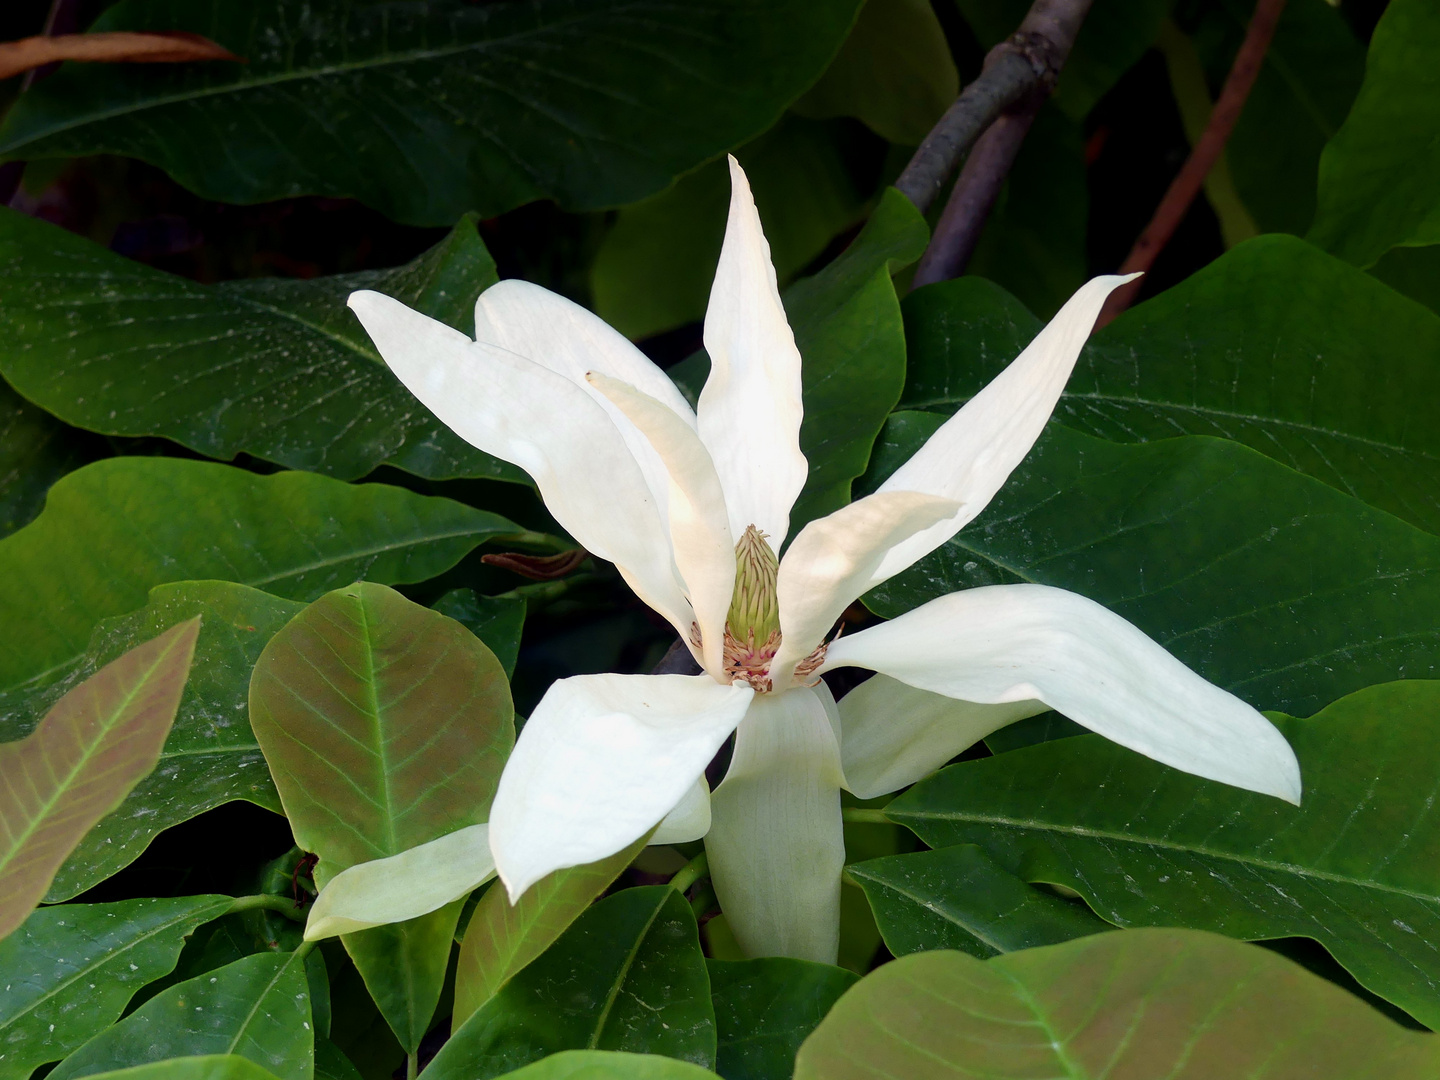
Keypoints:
pixel 169 47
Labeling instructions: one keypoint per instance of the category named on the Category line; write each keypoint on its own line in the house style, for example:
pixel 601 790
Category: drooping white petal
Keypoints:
pixel 700 536
pixel 404 886
pixel 1017 643
pixel 893 734
pixel 835 559
pixel 776 845
pixel 690 820
pixel 548 426
pixel 973 453
pixel 750 409
pixel 602 759
pixel 562 336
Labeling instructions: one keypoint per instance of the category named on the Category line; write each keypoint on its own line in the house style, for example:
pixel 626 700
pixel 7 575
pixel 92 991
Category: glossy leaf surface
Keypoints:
pixel 1258 578
pixel 960 898
pixel 115 529
pixel 502 938
pixel 68 971
pixel 609 1065
pixel 429 110
pixel 210 757
pixel 256 1008
pixel 203 1067
pixel 273 367
pixel 765 1008
pixel 1144 1003
pixel 35 451
pixel 1354 866
pixel 495 620
pixel 91 748
pixel 627 975
pixel 1377 175
pixel 386 726
pixel 1275 344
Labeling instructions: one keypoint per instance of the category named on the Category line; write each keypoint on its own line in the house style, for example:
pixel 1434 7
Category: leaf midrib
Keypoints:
pixel 1083 832
pixel 600 1021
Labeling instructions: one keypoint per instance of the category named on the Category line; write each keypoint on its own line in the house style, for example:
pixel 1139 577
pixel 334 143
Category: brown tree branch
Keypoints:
pixel 1032 57
pixel 1188 182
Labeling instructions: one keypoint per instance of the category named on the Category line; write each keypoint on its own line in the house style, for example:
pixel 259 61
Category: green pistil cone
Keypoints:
pixel 754 609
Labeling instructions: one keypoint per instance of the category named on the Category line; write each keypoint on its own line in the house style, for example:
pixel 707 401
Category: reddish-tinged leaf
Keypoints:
pixel 115 47
pixel 98 741
pixel 538 567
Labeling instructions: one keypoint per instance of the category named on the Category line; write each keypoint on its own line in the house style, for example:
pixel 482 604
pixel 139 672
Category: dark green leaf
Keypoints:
pixel 655 265
pixel 894 72
pixel 1143 1004
pixel 765 1008
pixel 68 971
pixel 627 975
pixel 206 1067
pixel 425 111
pixel 35 451
pixel 385 726
pixel 1311 73
pixel 272 367
pixel 1414 272
pixel 1275 344
pixel 1356 866
pixel 502 938
pixel 332 1064
pixel 1270 584
pixel 1113 37
pixel 210 757
pixel 257 1008
pixel 1378 175
pixel 94 745
pixel 115 529
pixel 609 1065
pixel 497 621
pixel 960 898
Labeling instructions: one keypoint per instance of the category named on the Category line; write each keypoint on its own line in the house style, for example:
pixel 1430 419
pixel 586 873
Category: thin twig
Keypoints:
pixel 1032 57
pixel 1188 182
pixel 983 175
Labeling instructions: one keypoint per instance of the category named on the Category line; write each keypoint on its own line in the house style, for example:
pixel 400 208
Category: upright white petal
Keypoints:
pixel 404 886
pixel 750 409
pixel 689 821
pixel 835 559
pixel 776 843
pixel 699 527
pixel 528 415
pixel 893 734
pixel 602 759
pixel 973 453
pixel 1020 643
pixel 562 336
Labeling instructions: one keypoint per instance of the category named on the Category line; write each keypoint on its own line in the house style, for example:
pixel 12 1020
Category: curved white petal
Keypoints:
pixel 1015 643
pixel 835 559
pixel 700 536
pixel 970 457
pixel 602 759
pixel 548 426
pixel 892 734
pixel 690 820
pixel 750 408
pixel 404 886
pixel 776 844
pixel 564 337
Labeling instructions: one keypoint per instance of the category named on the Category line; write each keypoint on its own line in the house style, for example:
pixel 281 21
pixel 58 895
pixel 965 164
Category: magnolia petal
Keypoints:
pixel 564 337
pixel 835 559
pixel 1016 643
pixel 700 536
pixel 750 409
pixel 893 734
pixel 776 844
pixel 404 886
pixel 603 759
pixel 690 820
pixel 548 426
pixel 974 452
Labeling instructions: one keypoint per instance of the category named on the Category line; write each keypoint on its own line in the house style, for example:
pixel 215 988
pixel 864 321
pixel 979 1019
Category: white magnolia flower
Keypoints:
pixel 692 505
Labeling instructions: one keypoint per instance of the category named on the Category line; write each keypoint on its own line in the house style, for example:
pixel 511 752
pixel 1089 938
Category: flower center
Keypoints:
pixel 752 626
